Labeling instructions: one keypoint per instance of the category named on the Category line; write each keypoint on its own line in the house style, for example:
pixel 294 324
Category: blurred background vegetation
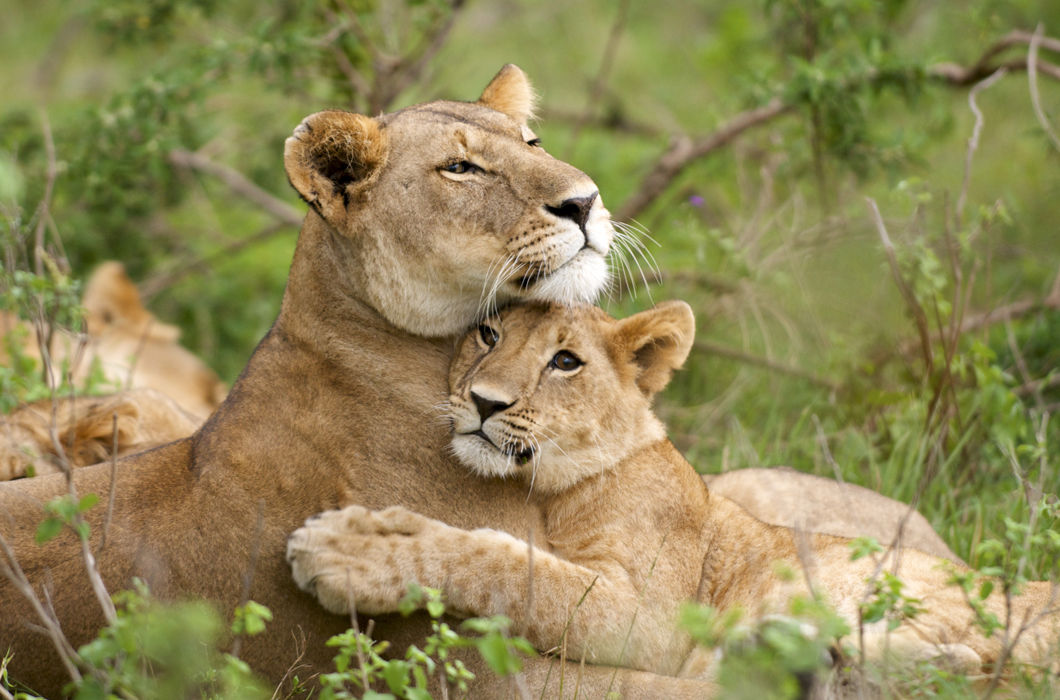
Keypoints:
pixel 746 138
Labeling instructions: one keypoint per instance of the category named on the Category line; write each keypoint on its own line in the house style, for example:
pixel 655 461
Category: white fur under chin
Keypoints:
pixel 580 280
pixel 482 458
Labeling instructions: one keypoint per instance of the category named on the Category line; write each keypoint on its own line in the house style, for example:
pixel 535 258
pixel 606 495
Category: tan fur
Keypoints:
pixel 133 348
pixel 783 496
pixel 632 531
pixel 86 431
pixel 337 404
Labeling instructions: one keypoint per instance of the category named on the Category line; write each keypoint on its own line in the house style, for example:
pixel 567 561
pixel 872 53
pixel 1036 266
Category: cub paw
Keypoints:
pixel 355 558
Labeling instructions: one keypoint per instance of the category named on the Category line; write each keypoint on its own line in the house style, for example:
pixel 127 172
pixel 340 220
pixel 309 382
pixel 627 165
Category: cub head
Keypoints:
pixel 560 393
pixel 446 209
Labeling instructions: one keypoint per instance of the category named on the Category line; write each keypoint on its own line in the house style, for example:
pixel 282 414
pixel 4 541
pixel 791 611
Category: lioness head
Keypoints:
pixel 447 208
pixel 560 393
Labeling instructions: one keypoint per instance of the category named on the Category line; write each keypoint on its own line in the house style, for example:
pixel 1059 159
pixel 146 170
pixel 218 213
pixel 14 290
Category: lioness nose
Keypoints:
pixel 576 209
pixel 487 407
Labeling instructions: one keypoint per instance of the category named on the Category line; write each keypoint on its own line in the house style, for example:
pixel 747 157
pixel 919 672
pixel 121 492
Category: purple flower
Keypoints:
pixel 696 201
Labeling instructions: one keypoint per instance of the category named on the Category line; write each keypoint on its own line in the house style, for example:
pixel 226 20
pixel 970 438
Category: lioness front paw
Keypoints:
pixel 355 558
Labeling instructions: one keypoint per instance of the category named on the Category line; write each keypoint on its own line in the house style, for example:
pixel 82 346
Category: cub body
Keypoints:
pixel 561 397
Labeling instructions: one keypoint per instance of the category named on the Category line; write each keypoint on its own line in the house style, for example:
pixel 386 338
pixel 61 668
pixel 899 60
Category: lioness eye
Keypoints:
pixel 565 361
pixel 533 142
pixel 461 167
pixel 488 335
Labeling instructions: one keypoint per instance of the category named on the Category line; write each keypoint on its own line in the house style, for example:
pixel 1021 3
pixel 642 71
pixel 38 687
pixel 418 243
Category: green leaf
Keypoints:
pixel 435 608
pixel 48 529
pixel 494 649
pixel 87 501
pixel 396 675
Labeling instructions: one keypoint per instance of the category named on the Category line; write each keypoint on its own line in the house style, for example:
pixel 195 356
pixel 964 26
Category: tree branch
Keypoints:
pixel 684 150
pixel 239 184
pixel 709 348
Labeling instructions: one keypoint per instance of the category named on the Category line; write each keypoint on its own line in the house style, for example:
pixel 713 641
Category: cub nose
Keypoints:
pixel 576 209
pixel 487 407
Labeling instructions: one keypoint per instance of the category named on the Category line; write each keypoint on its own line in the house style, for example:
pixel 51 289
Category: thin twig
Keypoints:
pixel 112 491
pixel 10 568
pixel 903 287
pixel 596 89
pixel 1032 79
pixel 163 280
pixel 49 188
pixel 239 184
pixel 973 140
pixel 758 361
pixel 684 150
pixel 248 575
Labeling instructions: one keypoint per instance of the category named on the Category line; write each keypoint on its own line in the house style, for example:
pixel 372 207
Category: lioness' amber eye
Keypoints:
pixel 565 361
pixel 488 335
pixel 461 167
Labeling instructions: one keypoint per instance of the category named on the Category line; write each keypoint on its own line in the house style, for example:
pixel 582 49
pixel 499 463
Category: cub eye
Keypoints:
pixel 460 167
pixel 488 335
pixel 565 361
pixel 534 142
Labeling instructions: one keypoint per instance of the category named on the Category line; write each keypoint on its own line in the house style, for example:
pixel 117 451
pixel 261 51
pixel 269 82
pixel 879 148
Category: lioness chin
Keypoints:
pixel 419 221
pixel 562 398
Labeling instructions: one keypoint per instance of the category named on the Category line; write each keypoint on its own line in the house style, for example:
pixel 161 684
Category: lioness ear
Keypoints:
pixel 333 156
pixel 510 93
pixel 657 341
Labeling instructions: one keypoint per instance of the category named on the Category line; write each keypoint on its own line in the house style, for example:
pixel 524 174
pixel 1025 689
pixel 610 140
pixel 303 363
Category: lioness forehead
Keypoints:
pixel 447 112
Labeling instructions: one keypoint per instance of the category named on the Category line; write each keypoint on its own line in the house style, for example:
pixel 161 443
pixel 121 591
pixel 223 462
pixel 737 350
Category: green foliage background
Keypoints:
pixel 768 237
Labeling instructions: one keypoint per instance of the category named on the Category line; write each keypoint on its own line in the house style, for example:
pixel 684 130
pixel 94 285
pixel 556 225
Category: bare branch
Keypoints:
pixel 112 490
pixel 45 203
pixel 596 89
pixel 973 140
pixel 1032 79
pixel 758 361
pixel 684 151
pixel 10 568
pixel 163 280
pixel 239 184
pixel 903 287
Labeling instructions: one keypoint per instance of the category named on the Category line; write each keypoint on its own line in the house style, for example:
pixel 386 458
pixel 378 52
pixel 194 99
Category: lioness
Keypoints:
pixel 562 398
pixel 133 348
pixel 88 430
pixel 419 221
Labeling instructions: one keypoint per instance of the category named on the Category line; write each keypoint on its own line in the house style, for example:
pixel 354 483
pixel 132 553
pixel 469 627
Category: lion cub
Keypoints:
pixel 561 397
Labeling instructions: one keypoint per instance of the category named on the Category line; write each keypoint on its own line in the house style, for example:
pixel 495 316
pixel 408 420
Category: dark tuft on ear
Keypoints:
pixel 657 342
pixel 510 93
pixel 331 157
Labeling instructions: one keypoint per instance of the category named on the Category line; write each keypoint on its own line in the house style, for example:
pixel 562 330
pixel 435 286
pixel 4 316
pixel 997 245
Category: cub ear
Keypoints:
pixel 332 157
pixel 510 93
pixel 657 341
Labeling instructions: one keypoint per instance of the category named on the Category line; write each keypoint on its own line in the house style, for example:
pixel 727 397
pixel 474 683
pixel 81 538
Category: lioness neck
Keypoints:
pixel 326 285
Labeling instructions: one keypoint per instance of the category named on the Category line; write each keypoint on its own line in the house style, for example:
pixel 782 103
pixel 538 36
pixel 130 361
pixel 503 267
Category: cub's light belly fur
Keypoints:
pixel 562 398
